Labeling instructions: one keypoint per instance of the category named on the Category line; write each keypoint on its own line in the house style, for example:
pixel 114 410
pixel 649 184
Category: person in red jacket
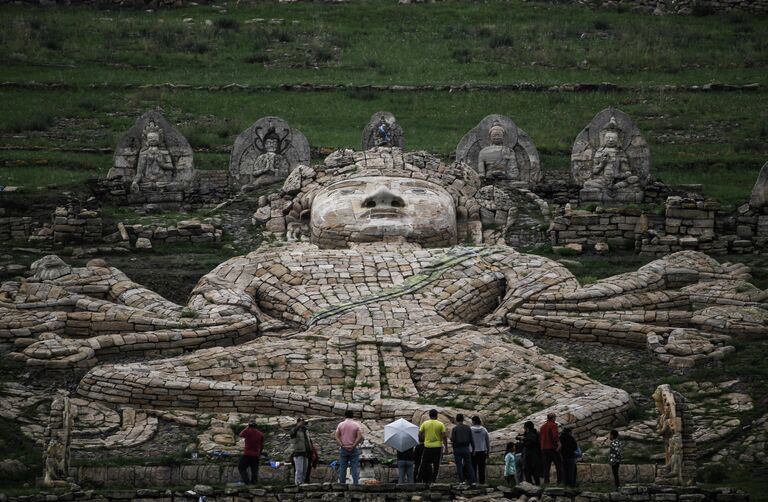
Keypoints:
pixel 254 441
pixel 549 440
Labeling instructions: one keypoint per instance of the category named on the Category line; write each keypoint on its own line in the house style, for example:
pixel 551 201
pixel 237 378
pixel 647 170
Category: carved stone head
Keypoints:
pixel 374 208
pixel 496 134
pixel 379 194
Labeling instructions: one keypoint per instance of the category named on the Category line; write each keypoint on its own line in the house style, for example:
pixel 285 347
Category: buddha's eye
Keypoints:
pixel 348 191
pixel 419 191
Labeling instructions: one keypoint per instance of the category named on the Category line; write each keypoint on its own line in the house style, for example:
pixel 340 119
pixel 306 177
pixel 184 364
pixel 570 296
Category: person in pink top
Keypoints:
pixel 254 441
pixel 349 435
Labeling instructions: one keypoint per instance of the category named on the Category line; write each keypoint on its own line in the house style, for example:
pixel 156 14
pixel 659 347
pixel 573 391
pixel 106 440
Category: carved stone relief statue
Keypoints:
pixel 610 159
pixel 500 152
pixel 266 153
pixel 383 130
pixel 152 152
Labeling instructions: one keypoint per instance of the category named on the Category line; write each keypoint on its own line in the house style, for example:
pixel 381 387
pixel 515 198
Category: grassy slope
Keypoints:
pixel 378 42
pixel 693 137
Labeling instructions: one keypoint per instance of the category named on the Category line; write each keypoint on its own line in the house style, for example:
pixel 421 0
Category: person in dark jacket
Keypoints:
pixel 405 461
pixel 568 447
pixel 531 454
pixel 418 451
pixel 463 446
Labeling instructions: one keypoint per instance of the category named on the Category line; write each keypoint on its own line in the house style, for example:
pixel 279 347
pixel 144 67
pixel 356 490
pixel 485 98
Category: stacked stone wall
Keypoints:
pixel 16 227
pixel 686 224
pixel 189 231
pixel 615 227
pixel 391 492
pixel 206 187
pixel 142 476
pixel 71 225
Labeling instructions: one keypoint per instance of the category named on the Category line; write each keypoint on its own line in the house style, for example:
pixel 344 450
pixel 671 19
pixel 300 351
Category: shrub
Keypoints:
pixel 501 41
pixel 226 23
pixel 261 57
pixel 602 25
pixel 322 54
pixel 462 56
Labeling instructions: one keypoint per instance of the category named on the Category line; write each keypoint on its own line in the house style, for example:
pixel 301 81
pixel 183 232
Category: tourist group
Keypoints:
pixel 530 458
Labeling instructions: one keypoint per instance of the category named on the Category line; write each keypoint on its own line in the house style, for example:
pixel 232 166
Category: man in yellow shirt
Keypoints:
pixel 432 432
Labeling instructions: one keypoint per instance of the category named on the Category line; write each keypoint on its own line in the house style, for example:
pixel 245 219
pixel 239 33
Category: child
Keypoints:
pixel 509 464
pixel 614 456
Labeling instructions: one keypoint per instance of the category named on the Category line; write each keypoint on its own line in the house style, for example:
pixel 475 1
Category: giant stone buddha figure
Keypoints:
pixel 375 307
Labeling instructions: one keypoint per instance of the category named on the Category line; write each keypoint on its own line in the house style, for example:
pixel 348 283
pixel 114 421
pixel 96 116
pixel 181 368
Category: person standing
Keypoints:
pixel 418 453
pixel 432 432
pixel 302 449
pixel 519 448
pixel 314 458
pixel 550 448
pixel 568 447
pixel 510 464
pixel 463 446
pixel 349 434
pixel 482 441
pixel 405 461
pixel 531 453
pixel 614 456
pixel 254 442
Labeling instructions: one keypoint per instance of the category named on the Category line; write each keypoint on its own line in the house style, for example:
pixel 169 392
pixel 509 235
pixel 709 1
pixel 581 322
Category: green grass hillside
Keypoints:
pixel 76 78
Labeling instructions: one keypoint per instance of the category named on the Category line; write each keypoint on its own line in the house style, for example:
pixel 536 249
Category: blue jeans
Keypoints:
pixel 351 458
pixel 463 459
pixel 404 471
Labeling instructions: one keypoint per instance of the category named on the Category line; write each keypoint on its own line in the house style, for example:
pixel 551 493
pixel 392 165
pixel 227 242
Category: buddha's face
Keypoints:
pixel 270 145
pixel 496 135
pixel 153 139
pixel 611 139
pixel 375 208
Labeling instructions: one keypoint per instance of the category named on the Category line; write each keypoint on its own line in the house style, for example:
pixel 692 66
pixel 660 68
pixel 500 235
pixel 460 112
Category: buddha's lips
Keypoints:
pixel 389 212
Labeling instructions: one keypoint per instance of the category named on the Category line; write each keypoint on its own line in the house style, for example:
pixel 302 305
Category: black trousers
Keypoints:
pixel 548 458
pixel 430 464
pixel 569 471
pixel 615 470
pixel 532 470
pixel 246 462
pixel 478 462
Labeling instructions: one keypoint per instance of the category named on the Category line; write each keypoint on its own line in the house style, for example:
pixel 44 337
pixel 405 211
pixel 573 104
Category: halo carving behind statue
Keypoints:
pixel 592 137
pixel 266 153
pixel 522 159
pixel 130 146
pixel 383 130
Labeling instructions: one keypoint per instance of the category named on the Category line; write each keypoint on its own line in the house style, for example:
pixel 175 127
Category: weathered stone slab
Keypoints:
pixel 152 151
pixel 499 150
pixel 611 159
pixel 266 153
pixel 383 130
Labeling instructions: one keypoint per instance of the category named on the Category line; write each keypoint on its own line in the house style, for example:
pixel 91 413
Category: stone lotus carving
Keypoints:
pixel 610 159
pixel 383 130
pixel 266 153
pixel 500 152
pixel 386 328
pixel 152 152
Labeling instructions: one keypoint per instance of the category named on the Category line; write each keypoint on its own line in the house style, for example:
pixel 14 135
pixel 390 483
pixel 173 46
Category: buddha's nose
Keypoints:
pixel 383 197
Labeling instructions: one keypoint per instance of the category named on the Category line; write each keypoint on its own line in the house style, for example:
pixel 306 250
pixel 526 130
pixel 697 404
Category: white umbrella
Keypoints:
pixel 401 434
